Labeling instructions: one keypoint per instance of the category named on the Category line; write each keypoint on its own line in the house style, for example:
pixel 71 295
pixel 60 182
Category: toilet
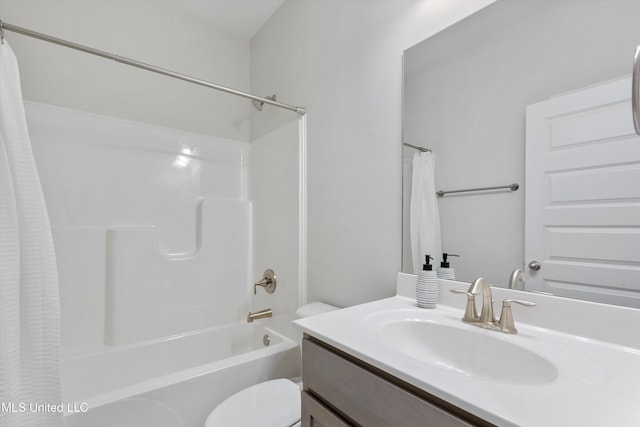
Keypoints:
pixel 274 403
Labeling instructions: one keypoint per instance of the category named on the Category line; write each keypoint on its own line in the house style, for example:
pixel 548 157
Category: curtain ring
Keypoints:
pixel 1 32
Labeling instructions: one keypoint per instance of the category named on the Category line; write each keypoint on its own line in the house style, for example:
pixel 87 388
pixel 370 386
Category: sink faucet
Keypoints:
pixel 481 286
pixel 487 319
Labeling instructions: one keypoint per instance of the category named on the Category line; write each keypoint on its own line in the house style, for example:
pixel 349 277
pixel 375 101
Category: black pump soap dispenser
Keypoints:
pixel 427 285
pixel 426 266
pixel 446 271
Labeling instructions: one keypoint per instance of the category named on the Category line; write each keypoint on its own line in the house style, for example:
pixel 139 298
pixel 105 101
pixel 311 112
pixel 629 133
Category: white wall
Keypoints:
pixel 151 32
pixel 342 60
pixel 274 191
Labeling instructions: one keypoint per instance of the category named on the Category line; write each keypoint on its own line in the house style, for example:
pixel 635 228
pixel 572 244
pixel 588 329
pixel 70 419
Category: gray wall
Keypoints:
pixel 342 60
pixel 152 32
pixel 466 90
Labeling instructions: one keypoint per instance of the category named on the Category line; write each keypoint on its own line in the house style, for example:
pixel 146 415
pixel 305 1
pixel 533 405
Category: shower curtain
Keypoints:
pixel 424 218
pixel 29 300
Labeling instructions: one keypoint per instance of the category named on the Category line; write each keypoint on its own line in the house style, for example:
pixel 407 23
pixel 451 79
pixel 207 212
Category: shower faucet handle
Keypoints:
pixel 268 282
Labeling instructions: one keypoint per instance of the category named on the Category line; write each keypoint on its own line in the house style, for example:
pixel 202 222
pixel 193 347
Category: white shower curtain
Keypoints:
pixel 29 301
pixel 424 218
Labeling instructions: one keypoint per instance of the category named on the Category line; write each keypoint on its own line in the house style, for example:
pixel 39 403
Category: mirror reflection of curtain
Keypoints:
pixel 424 214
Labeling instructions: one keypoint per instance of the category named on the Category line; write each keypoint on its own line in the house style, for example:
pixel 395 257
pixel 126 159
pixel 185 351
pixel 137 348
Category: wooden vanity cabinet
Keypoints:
pixel 316 414
pixel 340 390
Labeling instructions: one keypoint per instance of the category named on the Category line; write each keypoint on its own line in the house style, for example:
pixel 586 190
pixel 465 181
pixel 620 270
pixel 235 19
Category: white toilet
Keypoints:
pixel 274 403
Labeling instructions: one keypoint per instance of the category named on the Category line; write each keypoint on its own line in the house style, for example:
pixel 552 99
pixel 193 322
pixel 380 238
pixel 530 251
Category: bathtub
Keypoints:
pixel 173 382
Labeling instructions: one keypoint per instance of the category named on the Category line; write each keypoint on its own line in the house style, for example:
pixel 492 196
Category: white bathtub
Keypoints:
pixel 173 382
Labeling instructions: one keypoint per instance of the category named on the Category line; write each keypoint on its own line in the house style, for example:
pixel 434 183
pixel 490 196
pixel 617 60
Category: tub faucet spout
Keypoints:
pixel 259 315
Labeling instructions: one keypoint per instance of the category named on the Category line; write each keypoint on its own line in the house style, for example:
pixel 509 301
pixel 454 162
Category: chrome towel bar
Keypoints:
pixel 416 147
pixel 512 187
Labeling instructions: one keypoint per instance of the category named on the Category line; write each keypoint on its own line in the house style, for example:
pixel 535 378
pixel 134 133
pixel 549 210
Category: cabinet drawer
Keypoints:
pixel 315 414
pixel 364 397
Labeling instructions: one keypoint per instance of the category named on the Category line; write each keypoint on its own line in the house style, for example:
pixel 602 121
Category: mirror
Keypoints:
pixel 466 90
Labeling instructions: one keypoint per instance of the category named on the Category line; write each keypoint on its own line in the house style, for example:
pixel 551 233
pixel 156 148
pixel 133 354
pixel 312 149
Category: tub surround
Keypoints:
pixel 155 245
pixel 143 217
pixel 587 352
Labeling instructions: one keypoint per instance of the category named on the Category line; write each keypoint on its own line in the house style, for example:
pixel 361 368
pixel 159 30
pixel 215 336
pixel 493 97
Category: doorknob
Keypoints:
pixel 535 266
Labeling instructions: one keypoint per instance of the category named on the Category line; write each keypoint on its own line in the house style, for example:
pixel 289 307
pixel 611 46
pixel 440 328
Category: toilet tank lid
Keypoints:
pixel 314 308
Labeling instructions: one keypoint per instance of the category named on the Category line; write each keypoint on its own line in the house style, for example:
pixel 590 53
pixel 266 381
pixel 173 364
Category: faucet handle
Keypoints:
pixel 508 302
pixel 506 323
pixel 268 282
pixel 470 313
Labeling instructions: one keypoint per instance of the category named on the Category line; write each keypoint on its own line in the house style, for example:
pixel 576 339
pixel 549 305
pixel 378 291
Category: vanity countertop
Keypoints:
pixel 594 349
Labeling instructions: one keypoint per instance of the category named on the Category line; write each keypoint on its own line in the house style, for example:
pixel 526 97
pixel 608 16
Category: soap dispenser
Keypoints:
pixel 446 271
pixel 427 285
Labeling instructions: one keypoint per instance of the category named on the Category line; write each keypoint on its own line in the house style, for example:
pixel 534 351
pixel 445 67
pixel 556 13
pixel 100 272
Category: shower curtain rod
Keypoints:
pixel 142 65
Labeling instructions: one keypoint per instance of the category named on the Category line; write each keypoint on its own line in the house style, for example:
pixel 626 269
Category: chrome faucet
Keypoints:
pixel 486 319
pixel 259 315
pixel 517 277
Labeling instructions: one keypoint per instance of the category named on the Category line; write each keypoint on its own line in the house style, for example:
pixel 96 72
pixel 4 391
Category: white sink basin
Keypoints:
pixel 468 351
pixel 566 366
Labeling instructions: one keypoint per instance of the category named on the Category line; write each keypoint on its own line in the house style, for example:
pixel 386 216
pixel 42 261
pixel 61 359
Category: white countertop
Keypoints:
pixel 595 348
